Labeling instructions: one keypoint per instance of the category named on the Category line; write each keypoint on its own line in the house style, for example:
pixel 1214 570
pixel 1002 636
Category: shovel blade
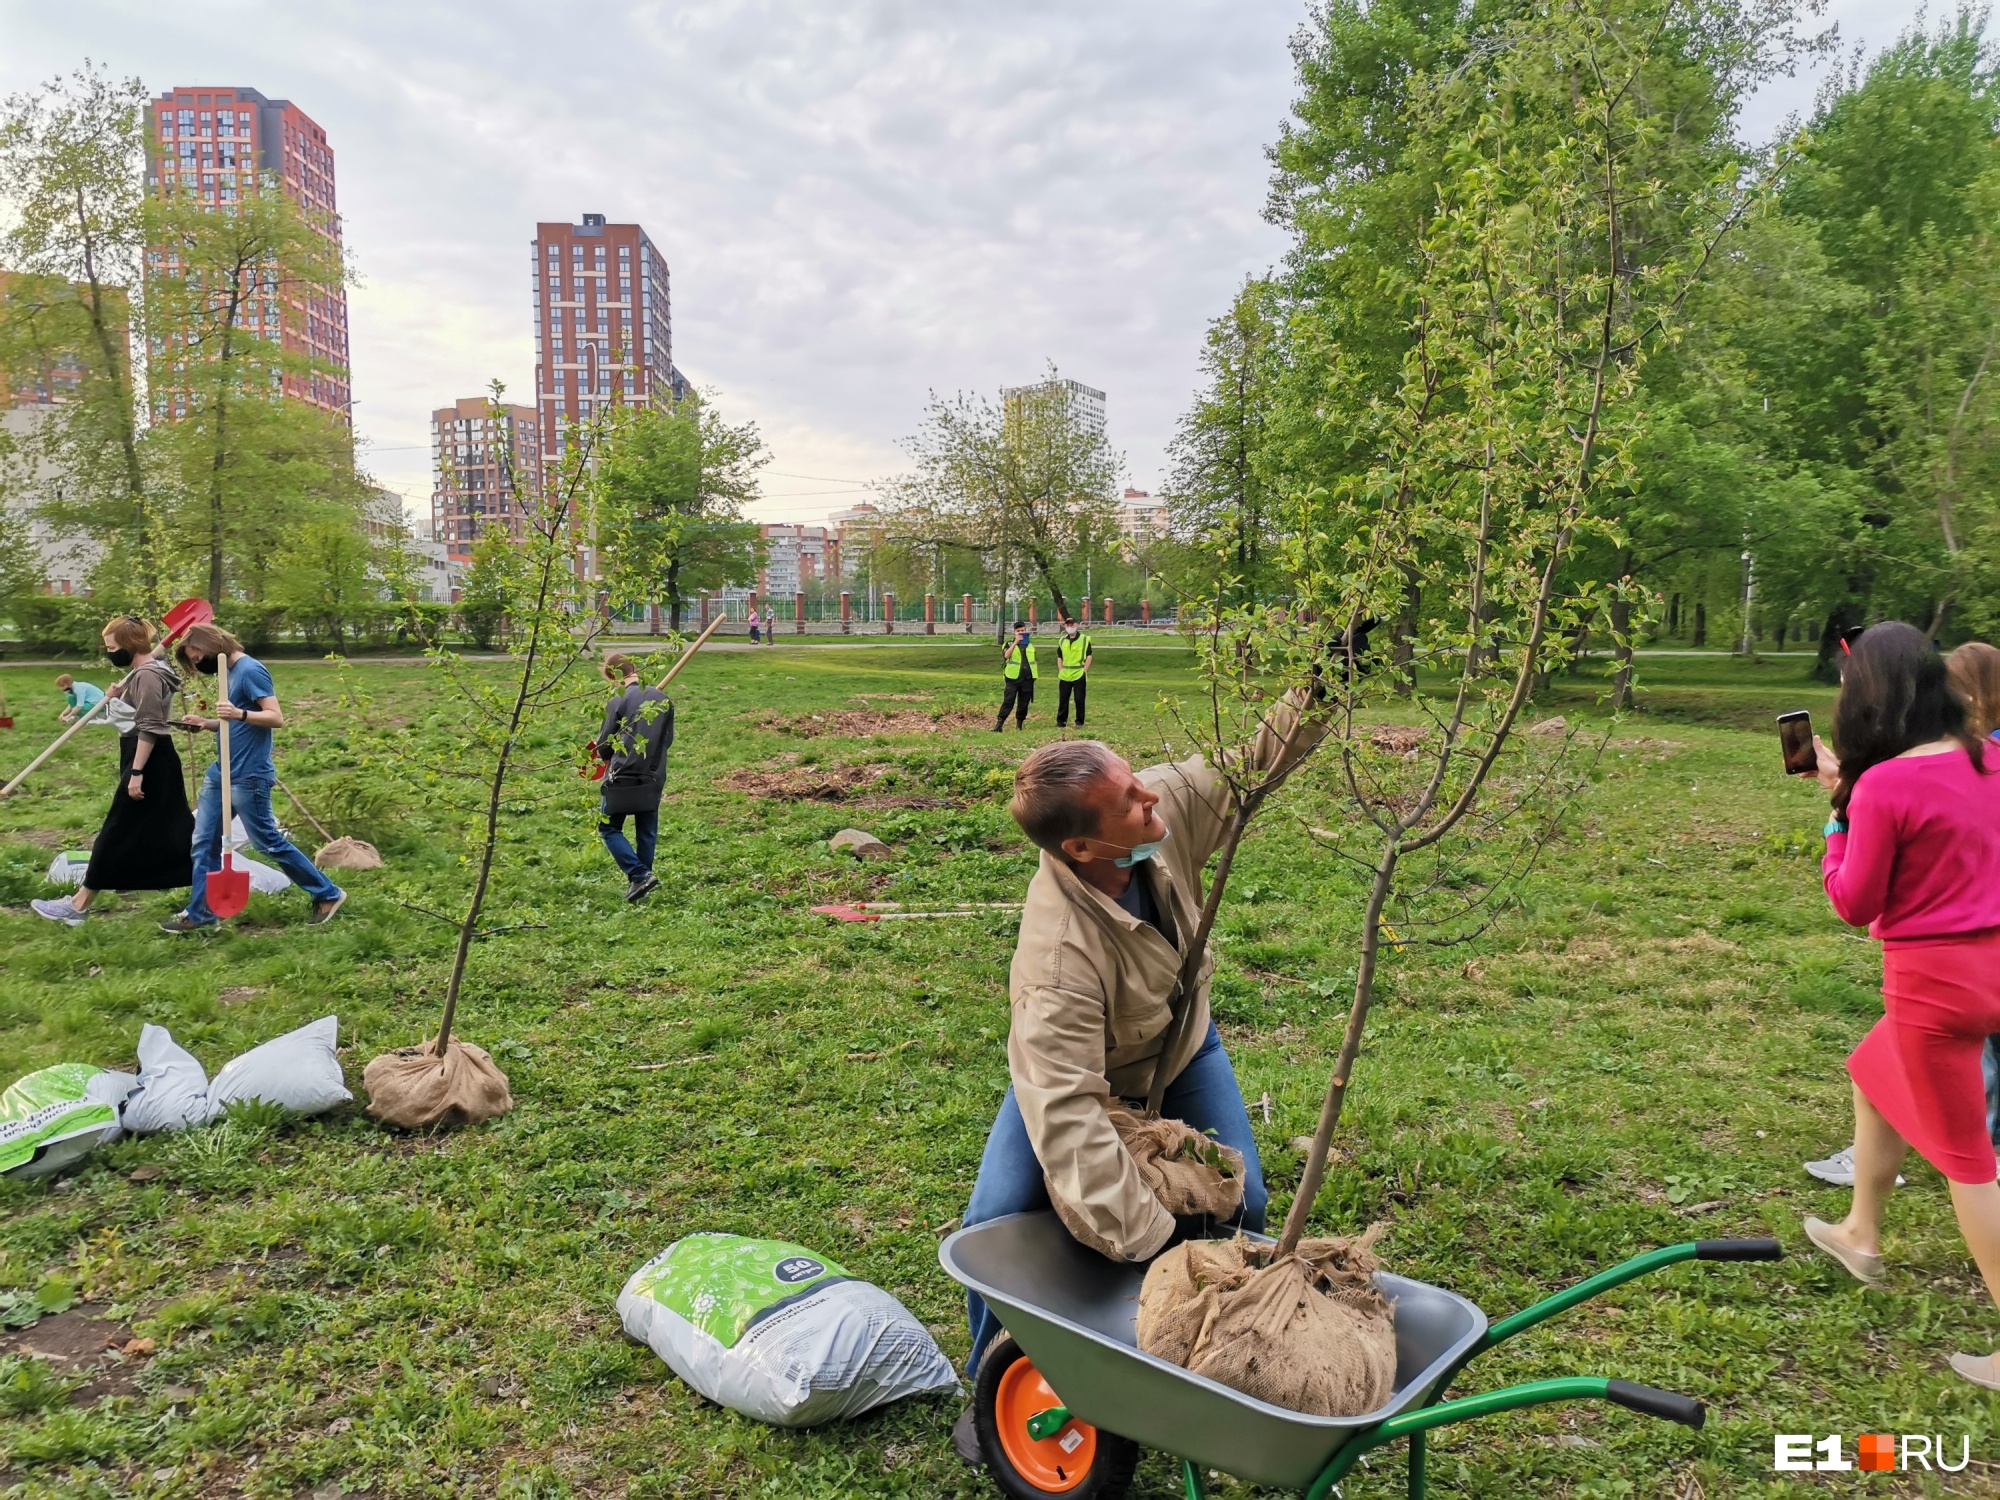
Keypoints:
pixel 187 612
pixel 228 889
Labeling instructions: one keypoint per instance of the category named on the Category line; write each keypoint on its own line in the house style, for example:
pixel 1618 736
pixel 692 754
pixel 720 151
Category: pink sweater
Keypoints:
pixel 1921 857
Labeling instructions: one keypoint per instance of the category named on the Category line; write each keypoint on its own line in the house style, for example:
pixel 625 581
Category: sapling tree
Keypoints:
pixel 493 744
pixel 1504 449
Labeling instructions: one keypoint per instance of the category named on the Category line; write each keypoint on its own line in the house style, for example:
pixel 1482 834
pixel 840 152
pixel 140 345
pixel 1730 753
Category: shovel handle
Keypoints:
pixel 688 655
pixel 222 735
pixel 57 744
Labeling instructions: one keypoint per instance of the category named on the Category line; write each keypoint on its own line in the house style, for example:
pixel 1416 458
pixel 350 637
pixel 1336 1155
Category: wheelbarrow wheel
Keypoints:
pixel 1076 1459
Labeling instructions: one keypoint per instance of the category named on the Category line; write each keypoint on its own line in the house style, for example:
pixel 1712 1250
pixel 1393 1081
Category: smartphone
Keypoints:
pixel 1795 736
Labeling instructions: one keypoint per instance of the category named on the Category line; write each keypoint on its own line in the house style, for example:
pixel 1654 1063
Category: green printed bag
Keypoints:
pixel 777 1332
pixel 57 1115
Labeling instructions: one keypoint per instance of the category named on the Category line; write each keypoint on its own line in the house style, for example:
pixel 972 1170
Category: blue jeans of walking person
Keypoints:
pixel 636 863
pixel 1010 1178
pixel 250 801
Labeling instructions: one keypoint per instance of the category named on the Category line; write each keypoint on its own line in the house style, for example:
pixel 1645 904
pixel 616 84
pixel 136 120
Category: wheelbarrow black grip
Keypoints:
pixel 1657 1403
pixel 1738 1250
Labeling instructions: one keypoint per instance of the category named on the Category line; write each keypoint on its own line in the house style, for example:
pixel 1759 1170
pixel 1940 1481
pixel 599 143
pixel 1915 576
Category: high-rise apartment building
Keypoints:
pixel 483 463
pixel 797 557
pixel 217 145
pixel 1085 403
pixel 604 327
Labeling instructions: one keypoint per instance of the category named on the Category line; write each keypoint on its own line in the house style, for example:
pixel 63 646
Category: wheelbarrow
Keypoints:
pixel 1066 1399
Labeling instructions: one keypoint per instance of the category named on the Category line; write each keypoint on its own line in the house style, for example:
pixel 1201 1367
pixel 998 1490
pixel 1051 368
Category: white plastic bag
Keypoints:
pixel 113 1089
pixel 297 1070
pixel 776 1332
pixel 67 868
pixel 172 1092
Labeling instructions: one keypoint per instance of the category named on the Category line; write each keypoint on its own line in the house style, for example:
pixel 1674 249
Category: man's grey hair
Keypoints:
pixel 1049 791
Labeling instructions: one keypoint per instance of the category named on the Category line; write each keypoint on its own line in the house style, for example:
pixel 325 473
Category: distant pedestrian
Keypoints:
pixel 1913 850
pixel 754 636
pixel 633 743
pixel 253 713
pixel 146 840
pixel 81 697
pixel 1018 670
pixel 1072 672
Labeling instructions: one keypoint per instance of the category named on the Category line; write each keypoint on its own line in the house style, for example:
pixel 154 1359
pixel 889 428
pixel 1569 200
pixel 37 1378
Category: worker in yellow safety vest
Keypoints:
pixel 1072 668
pixel 1020 669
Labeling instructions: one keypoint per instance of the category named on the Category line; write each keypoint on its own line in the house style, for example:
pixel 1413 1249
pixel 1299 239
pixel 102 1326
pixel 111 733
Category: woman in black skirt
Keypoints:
pixel 147 841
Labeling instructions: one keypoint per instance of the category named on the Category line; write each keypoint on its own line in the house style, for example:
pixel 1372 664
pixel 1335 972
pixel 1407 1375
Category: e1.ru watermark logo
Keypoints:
pixel 1880 1451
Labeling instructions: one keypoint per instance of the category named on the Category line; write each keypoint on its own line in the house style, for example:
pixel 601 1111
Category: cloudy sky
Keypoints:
pixel 859 202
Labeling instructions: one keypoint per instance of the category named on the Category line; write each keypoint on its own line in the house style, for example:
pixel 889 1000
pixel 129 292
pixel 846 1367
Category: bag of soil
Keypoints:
pixel 299 1071
pixel 1309 1332
pixel 778 1333
pixel 1192 1174
pixel 55 1116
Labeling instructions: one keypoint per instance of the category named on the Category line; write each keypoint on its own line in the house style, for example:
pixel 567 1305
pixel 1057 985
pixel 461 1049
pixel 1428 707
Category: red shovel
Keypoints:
pixel 228 887
pixel 182 615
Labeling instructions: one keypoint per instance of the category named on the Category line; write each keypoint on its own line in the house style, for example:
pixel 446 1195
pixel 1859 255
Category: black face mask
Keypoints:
pixel 205 665
pixel 119 658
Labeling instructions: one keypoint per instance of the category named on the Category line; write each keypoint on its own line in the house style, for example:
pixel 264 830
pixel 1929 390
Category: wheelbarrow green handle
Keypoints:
pixel 1413 1424
pixel 1618 1275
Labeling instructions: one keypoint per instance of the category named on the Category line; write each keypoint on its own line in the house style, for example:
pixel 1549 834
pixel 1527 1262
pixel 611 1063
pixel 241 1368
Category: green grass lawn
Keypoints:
pixel 1642 1054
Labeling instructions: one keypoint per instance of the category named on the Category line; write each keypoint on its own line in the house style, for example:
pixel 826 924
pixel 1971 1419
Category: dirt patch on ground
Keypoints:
pixel 892 697
pixel 49 839
pixel 858 723
pixel 849 785
pixel 79 1342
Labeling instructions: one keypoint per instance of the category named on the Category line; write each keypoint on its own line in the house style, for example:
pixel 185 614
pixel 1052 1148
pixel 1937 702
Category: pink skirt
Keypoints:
pixel 1920 1064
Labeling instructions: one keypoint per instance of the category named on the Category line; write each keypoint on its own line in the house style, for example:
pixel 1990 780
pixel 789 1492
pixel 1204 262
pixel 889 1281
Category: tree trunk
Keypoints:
pixel 1403 651
pixel 1674 618
pixel 674 596
pixel 1700 623
pixel 1330 1107
pixel 1621 675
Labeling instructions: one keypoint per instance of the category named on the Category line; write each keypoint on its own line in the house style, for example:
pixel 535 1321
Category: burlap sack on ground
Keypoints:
pixel 348 854
pixel 1309 1333
pixel 411 1088
pixel 1189 1173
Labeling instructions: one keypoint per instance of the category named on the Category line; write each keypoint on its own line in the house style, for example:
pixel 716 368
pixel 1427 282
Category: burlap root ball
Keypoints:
pixel 1309 1332
pixel 1190 1173
pixel 414 1089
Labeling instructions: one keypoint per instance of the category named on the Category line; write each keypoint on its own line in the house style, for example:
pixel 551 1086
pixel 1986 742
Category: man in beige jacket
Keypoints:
pixel 1109 912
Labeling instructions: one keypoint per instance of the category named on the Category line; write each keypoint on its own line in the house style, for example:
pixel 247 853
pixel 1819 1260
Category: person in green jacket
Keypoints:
pixel 1072 672
pixel 1019 669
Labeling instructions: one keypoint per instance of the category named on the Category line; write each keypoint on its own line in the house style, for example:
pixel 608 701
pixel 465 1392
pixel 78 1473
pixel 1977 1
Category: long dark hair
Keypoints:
pixel 1894 696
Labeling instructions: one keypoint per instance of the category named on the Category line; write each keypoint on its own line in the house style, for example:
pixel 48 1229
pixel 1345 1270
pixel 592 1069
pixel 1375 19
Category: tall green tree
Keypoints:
pixel 72 164
pixel 248 466
pixel 673 481
pixel 1223 504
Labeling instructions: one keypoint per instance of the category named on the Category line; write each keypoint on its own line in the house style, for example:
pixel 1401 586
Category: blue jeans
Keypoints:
pixel 1989 1064
pixel 1010 1178
pixel 250 801
pixel 636 863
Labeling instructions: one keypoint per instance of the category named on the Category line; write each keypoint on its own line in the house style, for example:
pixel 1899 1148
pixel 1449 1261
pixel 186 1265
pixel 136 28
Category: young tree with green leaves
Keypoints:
pixel 673 483
pixel 1025 482
pixel 498 719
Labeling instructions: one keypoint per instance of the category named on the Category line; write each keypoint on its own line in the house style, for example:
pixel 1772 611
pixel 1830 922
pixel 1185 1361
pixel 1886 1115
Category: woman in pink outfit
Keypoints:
pixel 1913 850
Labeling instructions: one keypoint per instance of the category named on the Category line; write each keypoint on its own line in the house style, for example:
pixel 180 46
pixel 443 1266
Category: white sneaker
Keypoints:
pixel 58 911
pixel 1838 1169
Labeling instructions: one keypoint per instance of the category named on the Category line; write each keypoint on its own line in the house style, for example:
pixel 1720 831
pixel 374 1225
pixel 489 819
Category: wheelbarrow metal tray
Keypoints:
pixel 1075 1315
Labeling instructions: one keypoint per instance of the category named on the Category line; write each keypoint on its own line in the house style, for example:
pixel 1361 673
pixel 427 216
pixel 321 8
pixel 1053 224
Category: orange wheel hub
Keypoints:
pixel 1057 1463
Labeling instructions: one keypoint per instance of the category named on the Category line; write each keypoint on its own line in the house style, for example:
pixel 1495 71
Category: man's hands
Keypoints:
pixel 1828 773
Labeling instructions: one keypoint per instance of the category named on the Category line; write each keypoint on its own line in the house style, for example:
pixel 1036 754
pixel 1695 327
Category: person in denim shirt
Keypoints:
pixel 253 713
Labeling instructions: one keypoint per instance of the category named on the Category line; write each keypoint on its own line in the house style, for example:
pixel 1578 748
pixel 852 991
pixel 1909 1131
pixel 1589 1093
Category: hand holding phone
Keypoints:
pixel 1795 738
